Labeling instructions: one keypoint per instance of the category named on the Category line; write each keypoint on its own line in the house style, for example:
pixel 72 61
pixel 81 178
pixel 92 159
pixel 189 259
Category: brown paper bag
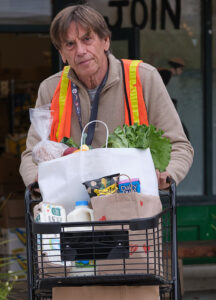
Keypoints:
pixel 124 206
pixel 145 246
pixel 106 293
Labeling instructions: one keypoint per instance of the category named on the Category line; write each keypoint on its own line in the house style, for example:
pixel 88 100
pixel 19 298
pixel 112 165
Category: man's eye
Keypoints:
pixel 69 44
pixel 87 38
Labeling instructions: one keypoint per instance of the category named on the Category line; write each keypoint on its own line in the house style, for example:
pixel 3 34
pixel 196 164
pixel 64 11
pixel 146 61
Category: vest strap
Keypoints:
pixel 134 100
pixel 133 90
pixel 127 104
pixel 61 108
pixel 62 96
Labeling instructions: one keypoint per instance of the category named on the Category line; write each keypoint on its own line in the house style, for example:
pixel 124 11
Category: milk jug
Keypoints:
pixel 81 213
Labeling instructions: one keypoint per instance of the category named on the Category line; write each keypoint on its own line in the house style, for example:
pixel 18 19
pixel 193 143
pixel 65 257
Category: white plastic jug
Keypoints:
pixel 81 213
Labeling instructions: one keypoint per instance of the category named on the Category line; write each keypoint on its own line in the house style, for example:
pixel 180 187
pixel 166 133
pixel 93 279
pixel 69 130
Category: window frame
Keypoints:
pixel 208 198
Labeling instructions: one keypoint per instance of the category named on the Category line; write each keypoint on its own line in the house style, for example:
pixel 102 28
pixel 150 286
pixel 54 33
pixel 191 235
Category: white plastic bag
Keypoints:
pixel 45 150
pixel 60 180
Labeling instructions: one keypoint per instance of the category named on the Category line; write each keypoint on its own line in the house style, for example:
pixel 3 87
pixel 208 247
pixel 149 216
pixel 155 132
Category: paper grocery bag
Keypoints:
pixel 125 206
pixel 145 246
pixel 60 180
pixel 106 293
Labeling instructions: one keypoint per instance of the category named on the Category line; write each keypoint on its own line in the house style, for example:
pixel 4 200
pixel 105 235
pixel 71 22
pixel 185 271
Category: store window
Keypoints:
pixel 170 29
pixel 214 96
pixel 25 60
pixel 25 12
pixel 183 46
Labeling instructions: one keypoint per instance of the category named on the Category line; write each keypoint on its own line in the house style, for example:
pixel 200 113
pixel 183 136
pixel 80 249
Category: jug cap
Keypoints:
pixel 82 202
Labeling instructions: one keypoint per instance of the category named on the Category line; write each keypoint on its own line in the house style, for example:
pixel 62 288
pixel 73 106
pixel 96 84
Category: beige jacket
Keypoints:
pixel 161 113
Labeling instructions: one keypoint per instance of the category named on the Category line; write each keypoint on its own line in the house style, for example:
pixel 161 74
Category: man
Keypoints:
pixel 96 89
pixel 95 86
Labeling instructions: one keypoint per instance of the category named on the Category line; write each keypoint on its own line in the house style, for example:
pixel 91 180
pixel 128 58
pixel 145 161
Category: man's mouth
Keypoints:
pixel 83 62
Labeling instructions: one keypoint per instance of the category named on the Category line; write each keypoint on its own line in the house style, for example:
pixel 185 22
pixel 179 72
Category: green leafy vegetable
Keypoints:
pixel 69 142
pixel 142 137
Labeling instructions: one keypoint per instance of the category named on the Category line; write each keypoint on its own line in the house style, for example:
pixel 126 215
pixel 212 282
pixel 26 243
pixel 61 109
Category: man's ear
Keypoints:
pixel 62 57
pixel 106 44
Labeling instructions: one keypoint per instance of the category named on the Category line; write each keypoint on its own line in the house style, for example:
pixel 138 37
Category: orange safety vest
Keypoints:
pixel 61 105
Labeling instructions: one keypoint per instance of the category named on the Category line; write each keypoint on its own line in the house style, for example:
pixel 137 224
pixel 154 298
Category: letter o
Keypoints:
pixel 133 14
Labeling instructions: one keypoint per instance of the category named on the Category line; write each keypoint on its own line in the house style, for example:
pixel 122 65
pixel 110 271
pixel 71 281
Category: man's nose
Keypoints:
pixel 81 49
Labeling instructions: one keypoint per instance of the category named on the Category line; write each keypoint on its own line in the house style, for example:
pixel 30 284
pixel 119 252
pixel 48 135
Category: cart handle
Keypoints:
pixel 30 194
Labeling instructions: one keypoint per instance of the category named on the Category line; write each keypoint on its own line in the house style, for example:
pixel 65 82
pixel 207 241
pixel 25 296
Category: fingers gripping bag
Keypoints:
pixel 45 150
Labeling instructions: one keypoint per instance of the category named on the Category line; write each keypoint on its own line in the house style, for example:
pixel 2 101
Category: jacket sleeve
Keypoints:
pixel 28 169
pixel 163 115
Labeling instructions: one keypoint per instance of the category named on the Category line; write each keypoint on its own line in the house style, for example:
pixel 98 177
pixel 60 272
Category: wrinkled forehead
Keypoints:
pixel 77 29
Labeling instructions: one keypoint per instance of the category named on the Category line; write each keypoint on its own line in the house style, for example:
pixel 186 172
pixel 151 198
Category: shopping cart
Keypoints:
pixel 54 251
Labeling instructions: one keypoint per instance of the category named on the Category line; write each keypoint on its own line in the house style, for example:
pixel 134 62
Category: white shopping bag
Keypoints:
pixel 60 180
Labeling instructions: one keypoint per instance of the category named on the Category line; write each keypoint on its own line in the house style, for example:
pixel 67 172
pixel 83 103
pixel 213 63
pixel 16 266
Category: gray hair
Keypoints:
pixel 84 15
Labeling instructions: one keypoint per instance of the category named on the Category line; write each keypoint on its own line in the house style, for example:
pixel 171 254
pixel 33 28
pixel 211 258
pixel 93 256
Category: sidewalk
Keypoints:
pixel 202 295
pixel 199 282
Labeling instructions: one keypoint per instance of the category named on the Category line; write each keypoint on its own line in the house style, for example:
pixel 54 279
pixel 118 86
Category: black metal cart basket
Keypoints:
pixel 123 252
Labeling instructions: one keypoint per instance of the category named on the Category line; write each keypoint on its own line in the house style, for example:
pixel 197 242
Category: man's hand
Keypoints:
pixel 163 183
pixel 35 191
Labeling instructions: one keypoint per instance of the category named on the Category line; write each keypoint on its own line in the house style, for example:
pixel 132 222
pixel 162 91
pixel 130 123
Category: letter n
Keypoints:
pixel 174 16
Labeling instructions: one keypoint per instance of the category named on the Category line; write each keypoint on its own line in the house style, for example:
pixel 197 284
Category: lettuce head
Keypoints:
pixel 143 137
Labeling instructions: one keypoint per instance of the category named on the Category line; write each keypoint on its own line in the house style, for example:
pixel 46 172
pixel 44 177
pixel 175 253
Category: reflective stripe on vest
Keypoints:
pixel 61 108
pixel 138 113
pixel 62 95
pixel 61 105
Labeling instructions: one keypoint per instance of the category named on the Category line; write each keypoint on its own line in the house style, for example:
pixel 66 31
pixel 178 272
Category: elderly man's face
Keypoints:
pixel 85 53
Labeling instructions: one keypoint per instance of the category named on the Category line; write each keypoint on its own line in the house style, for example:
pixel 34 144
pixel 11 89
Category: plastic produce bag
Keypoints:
pixel 45 150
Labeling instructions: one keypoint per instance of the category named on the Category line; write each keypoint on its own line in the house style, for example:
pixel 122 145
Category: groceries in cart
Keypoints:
pixel 46 212
pixel 81 213
pixel 102 186
pixel 71 248
pixel 126 185
pixel 143 137
pixel 134 150
pixel 106 191
pixel 73 147
pixel 49 246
